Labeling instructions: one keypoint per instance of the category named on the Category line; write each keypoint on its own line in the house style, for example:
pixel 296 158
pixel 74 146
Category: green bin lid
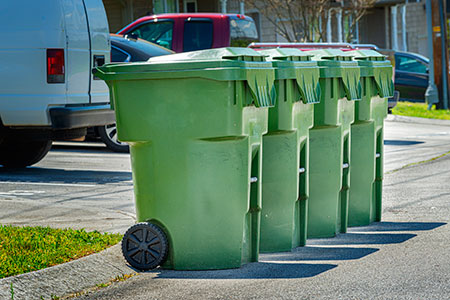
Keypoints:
pixel 325 56
pixel 376 65
pixel 291 63
pixel 339 64
pixel 222 64
pixel 367 55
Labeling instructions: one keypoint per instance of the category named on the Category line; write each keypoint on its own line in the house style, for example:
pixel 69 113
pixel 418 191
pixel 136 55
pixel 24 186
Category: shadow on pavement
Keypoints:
pixel 364 239
pixel 285 265
pixel 74 147
pixel 401 143
pixel 319 253
pixel 261 270
pixel 45 175
pixel 398 226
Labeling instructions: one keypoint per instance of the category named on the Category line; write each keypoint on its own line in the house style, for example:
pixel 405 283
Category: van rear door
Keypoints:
pixel 100 47
pixel 88 45
pixel 77 52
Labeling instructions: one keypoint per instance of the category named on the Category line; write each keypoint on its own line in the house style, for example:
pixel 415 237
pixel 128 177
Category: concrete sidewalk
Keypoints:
pixel 404 257
pixel 404 119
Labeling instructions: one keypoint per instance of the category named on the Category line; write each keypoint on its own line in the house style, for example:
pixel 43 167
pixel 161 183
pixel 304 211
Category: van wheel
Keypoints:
pixel 108 135
pixel 20 154
pixel 145 246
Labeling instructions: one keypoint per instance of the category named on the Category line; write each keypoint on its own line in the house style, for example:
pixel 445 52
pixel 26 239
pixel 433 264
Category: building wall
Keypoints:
pixel 114 12
pixel 372 28
pixel 142 8
pixel 208 6
pixel 376 27
pixel 119 12
pixel 416 28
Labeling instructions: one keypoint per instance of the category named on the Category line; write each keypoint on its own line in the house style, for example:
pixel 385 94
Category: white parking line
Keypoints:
pixel 47 183
pixel 21 193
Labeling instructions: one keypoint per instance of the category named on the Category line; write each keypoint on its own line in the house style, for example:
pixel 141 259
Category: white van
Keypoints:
pixel 47 91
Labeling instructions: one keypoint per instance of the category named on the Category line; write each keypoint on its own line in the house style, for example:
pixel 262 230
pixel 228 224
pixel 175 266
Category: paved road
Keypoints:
pixel 404 257
pixel 76 185
pixel 407 143
pixel 90 187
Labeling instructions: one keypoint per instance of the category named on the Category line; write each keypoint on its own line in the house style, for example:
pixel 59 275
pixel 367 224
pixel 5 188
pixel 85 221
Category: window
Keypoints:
pixel 164 6
pixel 409 64
pixel 242 32
pixel 159 32
pixel 198 35
pixel 190 6
pixel 118 55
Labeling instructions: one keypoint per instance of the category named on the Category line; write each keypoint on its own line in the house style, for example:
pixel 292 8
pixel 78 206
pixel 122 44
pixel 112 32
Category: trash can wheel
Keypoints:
pixel 145 246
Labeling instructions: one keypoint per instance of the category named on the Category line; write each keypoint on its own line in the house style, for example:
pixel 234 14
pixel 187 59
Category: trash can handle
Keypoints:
pixel 352 84
pixel 383 81
pixel 308 85
pixel 262 88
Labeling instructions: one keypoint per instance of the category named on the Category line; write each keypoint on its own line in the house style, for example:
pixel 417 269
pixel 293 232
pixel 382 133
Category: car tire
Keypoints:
pixel 108 135
pixel 20 154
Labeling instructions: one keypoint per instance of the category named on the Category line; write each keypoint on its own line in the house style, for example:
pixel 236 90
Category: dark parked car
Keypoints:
pixel 126 48
pixel 411 76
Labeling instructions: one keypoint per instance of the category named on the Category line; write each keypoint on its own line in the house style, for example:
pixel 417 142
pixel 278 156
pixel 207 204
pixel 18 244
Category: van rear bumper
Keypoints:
pixel 69 117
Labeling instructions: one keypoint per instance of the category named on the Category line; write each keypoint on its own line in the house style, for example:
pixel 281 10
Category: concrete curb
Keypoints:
pixel 404 119
pixel 67 278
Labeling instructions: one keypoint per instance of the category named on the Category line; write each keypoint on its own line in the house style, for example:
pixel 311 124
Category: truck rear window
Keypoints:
pixel 159 32
pixel 198 34
pixel 242 32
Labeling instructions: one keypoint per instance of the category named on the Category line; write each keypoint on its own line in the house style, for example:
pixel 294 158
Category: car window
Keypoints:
pixel 242 32
pixel 409 64
pixel 146 47
pixel 156 32
pixel 198 35
pixel 118 55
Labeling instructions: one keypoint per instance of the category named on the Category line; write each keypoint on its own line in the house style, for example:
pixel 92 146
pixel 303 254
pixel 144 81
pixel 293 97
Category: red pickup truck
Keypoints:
pixel 194 31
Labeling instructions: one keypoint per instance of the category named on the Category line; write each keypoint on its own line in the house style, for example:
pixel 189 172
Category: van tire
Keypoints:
pixel 20 154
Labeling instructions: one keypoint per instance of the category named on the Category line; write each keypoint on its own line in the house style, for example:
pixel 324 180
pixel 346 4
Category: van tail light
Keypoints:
pixel 55 65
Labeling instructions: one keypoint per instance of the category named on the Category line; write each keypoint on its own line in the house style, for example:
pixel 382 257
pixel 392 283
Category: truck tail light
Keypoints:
pixel 55 65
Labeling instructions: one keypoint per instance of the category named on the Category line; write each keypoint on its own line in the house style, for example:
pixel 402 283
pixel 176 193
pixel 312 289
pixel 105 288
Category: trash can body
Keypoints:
pixel 367 137
pixel 194 122
pixel 286 150
pixel 330 138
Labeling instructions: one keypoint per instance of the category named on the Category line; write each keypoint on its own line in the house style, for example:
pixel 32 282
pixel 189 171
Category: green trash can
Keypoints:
pixel 194 122
pixel 286 150
pixel 329 153
pixel 367 137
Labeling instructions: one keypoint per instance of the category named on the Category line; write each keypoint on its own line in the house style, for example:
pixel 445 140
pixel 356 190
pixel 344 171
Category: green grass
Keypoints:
pixel 420 110
pixel 26 249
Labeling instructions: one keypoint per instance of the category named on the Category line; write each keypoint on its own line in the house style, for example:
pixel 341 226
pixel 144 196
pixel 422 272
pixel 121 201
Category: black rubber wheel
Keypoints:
pixel 108 135
pixel 145 246
pixel 20 154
